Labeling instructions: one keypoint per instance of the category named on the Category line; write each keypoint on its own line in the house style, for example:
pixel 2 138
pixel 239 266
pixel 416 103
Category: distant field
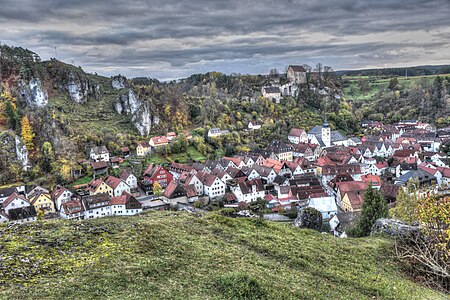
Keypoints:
pixel 353 91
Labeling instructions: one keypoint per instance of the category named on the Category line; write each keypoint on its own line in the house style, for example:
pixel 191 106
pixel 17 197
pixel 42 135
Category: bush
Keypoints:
pixel 239 286
pixel 428 253
pixel 198 204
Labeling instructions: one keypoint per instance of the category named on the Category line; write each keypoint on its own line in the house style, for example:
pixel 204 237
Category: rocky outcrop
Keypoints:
pixel 21 152
pixel 34 94
pixel 81 89
pixel 309 217
pixel 12 149
pixel 394 228
pixel 118 82
pixel 139 111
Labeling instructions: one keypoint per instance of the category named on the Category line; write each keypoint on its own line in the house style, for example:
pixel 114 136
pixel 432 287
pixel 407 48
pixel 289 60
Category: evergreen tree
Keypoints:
pixel 12 116
pixel 27 133
pixel 374 207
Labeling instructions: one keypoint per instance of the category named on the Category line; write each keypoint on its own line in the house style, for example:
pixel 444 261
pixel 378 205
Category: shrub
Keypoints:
pixel 428 253
pixel 239 286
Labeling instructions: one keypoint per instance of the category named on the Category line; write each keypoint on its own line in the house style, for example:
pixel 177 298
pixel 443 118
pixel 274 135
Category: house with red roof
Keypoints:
pixel 125 205
pixel 118 185
pixel 350 195
pixel 60 195
pixel 297 135
pixel 15 201
pixel 129 178
pixel 157 173
pixel 249 191
pixel 212 185
pixel 378 168
pixel 373 180
pixel 158 141
pixel 72 210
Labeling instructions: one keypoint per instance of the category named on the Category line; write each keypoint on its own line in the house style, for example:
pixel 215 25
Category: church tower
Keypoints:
pixel 326 133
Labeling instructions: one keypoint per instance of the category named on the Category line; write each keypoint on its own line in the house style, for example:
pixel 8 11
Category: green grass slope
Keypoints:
pixel 170 255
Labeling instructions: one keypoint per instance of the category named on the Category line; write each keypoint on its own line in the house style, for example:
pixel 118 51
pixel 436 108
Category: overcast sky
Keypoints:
pixel 173 38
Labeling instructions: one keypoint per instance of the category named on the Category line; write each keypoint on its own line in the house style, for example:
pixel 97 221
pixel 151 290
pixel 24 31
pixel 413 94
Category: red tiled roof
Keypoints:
pixel 58 192
pixel 356 199
pixel 13 196
pixel 351 186
pixel 118 200
pixel 72 207
pixel 372 179
pixel 113 181
pixel 99 165
pixel 297 132
pixel 158 140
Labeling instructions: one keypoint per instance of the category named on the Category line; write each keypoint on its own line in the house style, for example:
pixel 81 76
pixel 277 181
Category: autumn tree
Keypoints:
pixel 406 208
pixel 47 157
pixel 428 250
pixel 27 133
pixel 157 189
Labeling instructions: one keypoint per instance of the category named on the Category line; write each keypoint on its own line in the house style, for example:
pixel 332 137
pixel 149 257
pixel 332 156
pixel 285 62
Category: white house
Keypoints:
pixel 192 179
pixel 297 135
pixel 72 210
pixel 97 206
pixel 272 93
pixel 212 185
pixel 59 196
pixel 118 185
pixel 253 126
pixel 15 201
pixel 249 191
pixel 99 154
pixel 125 205
pixel 214 132
pixel 129 178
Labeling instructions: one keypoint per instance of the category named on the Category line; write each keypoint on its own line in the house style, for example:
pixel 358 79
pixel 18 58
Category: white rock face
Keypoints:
pixel 142 120
pixel 34 93
pixel 75 92
pixel 118 82
pixel 140 113
pixel 21 152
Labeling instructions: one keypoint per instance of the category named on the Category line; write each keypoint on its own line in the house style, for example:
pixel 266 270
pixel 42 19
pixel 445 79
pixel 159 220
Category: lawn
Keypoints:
pixel 195 155
pixel 174 255
pixel 178 157
pixel 82 180
pixel 156 159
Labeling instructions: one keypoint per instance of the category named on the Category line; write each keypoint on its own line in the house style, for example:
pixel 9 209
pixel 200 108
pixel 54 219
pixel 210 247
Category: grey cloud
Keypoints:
pixel 180 37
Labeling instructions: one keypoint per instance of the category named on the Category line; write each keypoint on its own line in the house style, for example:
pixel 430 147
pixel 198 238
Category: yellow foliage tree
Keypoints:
pixel 27 133
pixel 157 189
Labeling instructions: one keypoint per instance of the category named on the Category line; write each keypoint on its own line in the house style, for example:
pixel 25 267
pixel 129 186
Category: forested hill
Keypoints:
pixel 406 71
pixel 74 110
pixel 69 111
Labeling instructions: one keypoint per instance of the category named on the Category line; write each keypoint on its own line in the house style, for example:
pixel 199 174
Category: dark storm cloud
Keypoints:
pixel 175 38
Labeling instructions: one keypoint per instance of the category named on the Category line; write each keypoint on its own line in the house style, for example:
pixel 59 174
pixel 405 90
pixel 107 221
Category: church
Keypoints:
pixel 325 137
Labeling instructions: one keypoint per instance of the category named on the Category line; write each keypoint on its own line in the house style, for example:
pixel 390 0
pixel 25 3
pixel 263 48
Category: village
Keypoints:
pixel 320 168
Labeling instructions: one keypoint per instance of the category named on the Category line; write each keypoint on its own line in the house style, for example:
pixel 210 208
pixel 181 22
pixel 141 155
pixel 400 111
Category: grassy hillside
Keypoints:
pixel 352 90
pixel 168 255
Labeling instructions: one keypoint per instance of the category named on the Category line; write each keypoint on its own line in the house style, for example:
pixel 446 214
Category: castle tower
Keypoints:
pixel 326 133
